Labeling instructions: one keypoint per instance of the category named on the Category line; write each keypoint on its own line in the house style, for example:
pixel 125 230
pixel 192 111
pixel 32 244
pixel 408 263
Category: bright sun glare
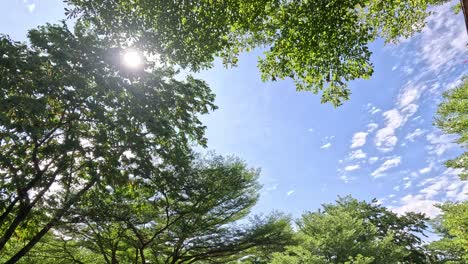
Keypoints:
pixel 132 59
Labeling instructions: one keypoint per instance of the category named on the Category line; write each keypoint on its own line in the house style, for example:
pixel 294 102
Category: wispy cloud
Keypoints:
pixel 359 139
pixel 372 127
pixel 436 56
pixel 385 138
pixel 388 164
pixel 440 143
pixel 352 167
pixel 426 169
pixel 417 203
pixel 445 187
pixel 290 192
pixel 408 182
pixel 415 134
pixel 372 109
pixel 271 188
pixel 409 94
pixel 345 178
pixel 31 7
pixel 357 154
pixel 408 70
pixel 327 142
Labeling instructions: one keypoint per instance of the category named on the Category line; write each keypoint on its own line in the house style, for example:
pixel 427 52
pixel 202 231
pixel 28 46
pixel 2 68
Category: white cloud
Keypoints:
pixel 426 169
pixel 326 141
pixel 271 188
pixel 407 184
pixel 289 193
pixel 434 188
pixel 442 188
pixel 457 191
pixel 416 133
pixel 31 7
pixel 409 111
pixel 374 110
pixel 352 167
pixel 385 138
pixel 408 70
pixel 373 160
pixel 442 40
pixel 440 143
pixel 434 54
pixel 448 185
pixel 409 94
pixel 388 164
pixel 371 127
pixel 417 203
pixel 359 139
pixel 344 178
pixel 357 154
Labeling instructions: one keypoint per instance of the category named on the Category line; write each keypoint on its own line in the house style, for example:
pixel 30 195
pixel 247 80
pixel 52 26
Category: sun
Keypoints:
pixel 132 59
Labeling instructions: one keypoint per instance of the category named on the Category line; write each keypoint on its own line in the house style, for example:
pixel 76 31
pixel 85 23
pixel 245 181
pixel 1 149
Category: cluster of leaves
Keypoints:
pixel 452 225
pixel 351 231
pixel 452 118
pixel 321 45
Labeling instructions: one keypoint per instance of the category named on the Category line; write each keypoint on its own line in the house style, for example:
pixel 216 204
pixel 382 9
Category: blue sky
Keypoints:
pixel 380 144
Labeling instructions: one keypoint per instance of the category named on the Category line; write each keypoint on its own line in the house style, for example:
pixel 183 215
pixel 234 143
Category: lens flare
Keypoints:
pixel 132 59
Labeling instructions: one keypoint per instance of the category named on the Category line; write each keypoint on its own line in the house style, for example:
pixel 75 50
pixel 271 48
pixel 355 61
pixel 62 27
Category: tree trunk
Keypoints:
pixel 114 256
pixel 464 5
pixel 142 255
pixel 23 212
pixel 8 210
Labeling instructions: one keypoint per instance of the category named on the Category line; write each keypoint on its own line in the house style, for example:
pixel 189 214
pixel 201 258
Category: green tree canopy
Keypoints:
pixel 351 231
pixel 452 118
pixel 169 216
pixel 321 45
pixel 452 225
pixel 72 117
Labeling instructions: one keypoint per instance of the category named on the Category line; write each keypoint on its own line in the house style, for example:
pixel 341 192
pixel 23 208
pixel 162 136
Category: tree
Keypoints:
pixel 72 118
pixel 321 45
pixel 452 225
pixel 175 216
pixel 357 232
pixel 452 118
